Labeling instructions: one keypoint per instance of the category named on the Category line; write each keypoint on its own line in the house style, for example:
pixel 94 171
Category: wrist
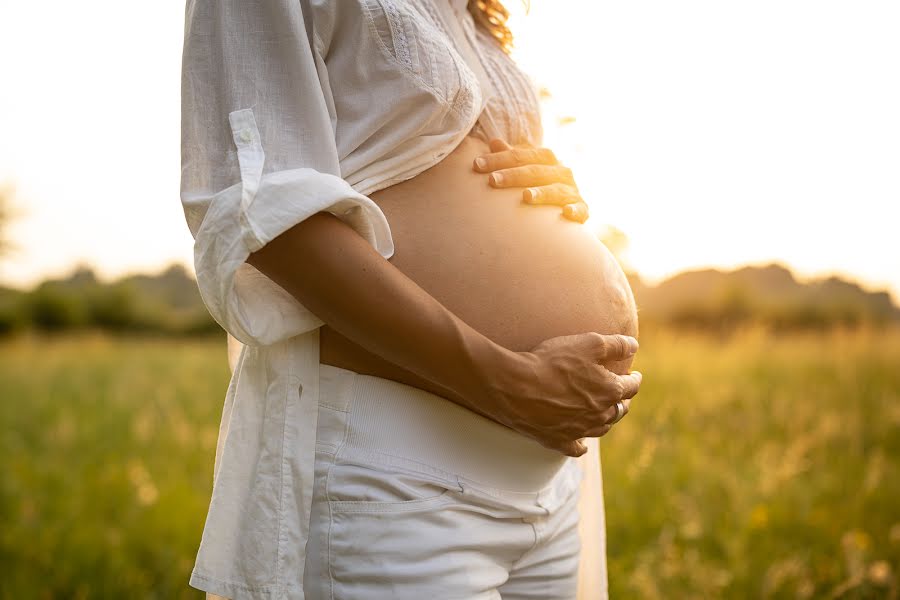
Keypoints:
pixel 500 374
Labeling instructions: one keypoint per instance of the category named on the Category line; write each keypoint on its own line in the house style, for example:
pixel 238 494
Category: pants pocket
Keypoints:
pixel 358 488
pixel 397 535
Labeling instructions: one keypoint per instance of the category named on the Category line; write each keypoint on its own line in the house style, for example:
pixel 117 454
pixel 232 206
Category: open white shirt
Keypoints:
pixel 289 108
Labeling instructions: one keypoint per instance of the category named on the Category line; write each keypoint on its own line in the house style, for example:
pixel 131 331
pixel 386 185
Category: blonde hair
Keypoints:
pixel 492 15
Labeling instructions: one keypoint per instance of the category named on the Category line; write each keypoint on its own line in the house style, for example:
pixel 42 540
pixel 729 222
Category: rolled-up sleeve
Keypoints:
pixel 258 156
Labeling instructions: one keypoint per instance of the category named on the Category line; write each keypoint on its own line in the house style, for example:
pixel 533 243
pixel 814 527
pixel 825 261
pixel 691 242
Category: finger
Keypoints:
pixel 514 157
pixel 577 211
pixel 610 413
pixel 573 448
pixel 531 175
pixel 611 347
pixel 598 431
pixel 554 193
pixel 631 383
pixel 576 448
pixel 498 145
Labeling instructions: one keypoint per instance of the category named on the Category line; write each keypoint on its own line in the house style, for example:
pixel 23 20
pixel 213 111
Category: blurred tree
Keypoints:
pixel 113 306
pixel 11 311
pixel 52 307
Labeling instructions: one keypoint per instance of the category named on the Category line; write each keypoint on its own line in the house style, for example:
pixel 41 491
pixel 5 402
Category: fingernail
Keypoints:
pixel 632 344
pixel 480 163
pixel 496 178
pixel 531 195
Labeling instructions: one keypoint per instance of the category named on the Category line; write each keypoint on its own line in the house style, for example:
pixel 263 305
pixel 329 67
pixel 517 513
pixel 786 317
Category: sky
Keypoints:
pixel 712 133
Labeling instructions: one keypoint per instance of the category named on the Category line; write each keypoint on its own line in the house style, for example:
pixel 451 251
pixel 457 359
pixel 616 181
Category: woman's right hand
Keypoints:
pixel 560 391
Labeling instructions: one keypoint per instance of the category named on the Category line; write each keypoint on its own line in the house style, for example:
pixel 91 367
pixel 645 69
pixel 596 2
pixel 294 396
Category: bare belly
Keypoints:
pixel 517 273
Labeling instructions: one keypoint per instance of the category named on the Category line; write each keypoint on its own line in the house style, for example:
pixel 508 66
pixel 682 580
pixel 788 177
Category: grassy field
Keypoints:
pixel 752 466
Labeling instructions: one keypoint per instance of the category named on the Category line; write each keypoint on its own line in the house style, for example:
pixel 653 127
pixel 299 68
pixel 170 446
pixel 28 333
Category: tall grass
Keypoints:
pixel 106 448
pixel 750 466
pixel 758 466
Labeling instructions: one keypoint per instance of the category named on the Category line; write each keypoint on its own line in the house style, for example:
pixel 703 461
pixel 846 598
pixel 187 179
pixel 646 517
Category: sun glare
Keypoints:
pixel 719 135
pixel 709 133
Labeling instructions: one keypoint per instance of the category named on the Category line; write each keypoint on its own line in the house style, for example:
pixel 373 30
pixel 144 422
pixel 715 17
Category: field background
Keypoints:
pixel 752 465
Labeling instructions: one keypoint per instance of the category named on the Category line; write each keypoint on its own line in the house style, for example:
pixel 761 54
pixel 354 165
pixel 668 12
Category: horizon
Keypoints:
pixel 652 283
pixel 705 133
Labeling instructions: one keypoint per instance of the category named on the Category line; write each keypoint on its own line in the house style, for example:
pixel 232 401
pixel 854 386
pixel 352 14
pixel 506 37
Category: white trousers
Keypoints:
pixel 417 497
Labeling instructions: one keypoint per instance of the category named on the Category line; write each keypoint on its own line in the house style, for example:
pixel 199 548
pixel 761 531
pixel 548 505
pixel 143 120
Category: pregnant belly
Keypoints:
pixel 517 273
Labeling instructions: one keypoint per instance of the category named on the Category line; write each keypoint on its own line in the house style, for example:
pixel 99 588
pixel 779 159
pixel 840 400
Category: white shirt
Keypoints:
pixel 291 107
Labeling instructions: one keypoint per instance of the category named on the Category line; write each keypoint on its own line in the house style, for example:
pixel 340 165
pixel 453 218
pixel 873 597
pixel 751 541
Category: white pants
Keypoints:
pixel 417 497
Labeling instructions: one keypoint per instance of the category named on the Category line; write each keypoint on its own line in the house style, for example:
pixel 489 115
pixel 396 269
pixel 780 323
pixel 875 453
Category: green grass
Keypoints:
pixel 751 466
pixel 758 467
pixel 106 449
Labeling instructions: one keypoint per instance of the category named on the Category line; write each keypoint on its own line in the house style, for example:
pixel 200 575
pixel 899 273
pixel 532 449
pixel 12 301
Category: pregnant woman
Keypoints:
pixel 427 361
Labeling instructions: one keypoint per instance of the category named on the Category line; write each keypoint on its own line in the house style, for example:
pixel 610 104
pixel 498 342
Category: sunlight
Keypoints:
pixel 720 135
pixel 709 133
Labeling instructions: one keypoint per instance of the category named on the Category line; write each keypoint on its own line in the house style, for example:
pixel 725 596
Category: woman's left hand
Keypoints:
pixel 536 169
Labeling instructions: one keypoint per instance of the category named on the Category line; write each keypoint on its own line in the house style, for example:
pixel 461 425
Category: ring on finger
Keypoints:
pixel 621 410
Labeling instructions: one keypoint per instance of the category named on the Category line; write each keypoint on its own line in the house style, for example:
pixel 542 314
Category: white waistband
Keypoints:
pixel 406 426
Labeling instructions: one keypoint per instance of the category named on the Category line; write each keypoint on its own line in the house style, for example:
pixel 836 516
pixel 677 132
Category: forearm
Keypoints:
pixel 344 281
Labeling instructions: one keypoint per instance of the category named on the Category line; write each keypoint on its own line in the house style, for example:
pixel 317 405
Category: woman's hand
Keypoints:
pixel 537 170
pixel 560 391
